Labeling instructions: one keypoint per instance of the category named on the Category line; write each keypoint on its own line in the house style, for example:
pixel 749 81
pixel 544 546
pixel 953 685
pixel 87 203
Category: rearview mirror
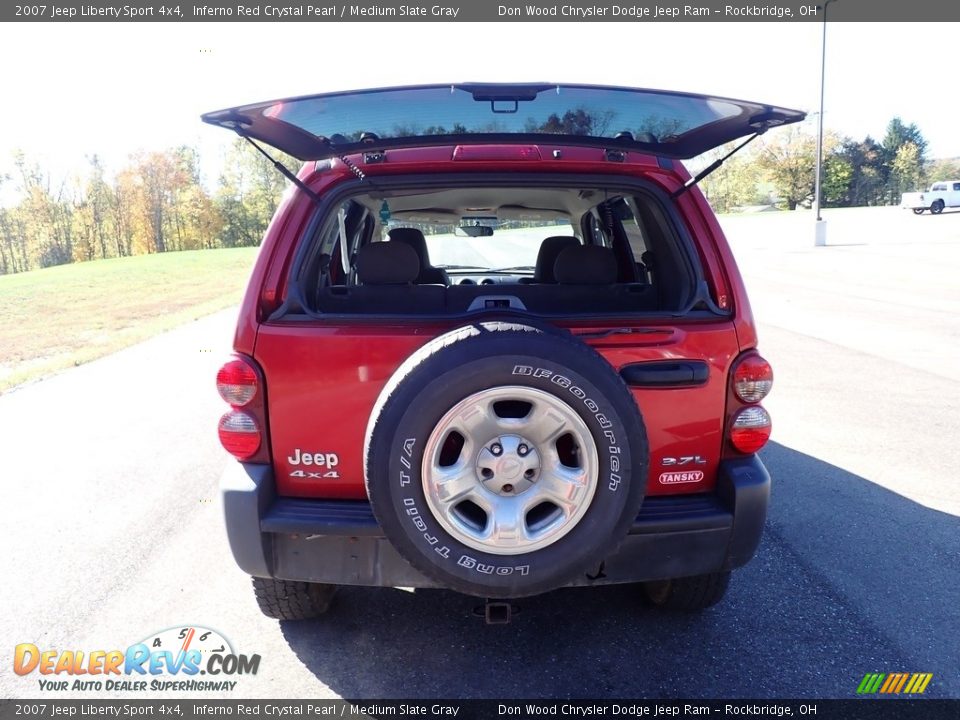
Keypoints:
pixel 476 226
pixel 474 231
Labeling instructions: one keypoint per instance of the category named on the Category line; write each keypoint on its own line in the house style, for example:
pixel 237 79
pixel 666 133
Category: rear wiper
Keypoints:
pixel 529 268
pixel 463 267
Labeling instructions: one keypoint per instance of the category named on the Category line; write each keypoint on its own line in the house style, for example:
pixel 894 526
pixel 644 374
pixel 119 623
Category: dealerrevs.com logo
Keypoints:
pixel 176 659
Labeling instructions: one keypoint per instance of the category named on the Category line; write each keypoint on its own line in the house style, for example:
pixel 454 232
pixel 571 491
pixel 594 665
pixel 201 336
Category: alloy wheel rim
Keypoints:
pixel 510 470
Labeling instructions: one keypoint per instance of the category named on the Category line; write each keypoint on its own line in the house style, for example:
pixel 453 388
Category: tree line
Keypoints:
pixel 158 203
pixel 155 203
pixel 780 169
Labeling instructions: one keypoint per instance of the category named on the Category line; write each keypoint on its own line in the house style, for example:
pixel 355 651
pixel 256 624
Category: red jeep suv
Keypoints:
pixel 495 341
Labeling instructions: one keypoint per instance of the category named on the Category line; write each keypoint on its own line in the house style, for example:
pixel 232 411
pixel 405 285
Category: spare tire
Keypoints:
pixel 504 460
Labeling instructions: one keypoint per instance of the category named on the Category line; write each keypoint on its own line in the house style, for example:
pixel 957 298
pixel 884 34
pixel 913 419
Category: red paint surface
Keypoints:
pixel 323 377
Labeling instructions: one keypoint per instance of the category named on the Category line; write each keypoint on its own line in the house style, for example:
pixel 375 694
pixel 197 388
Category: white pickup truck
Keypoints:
pixel 942 194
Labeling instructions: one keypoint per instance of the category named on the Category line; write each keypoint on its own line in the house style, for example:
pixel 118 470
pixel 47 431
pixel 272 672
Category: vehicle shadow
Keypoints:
pixel 846 569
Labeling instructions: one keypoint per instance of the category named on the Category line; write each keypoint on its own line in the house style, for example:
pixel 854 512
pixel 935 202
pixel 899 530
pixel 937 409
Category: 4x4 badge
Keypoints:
pixel 318 459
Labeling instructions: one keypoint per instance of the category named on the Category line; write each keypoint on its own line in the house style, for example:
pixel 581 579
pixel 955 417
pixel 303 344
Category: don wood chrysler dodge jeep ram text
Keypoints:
pixel 495 341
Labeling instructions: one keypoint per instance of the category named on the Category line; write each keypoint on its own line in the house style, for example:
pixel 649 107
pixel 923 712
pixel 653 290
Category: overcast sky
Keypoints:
pixel 113 88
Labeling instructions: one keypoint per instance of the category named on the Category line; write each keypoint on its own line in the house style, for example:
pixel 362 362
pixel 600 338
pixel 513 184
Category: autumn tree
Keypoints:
pixel 732 184
pixel 124 218
pixel 836 179
pixel 45 215
pixel 867 173
pixel 13 251
pixel 899 164
pixel 248 194
pixel 907 169
pixel 166 212
pixel 788 159
pixel 945 169
pixel 93 212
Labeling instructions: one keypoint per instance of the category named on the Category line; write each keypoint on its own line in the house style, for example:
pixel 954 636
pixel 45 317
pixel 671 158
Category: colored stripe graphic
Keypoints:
pixel 913 681
pixel 894 683
pixel 870 683
pixel 903 680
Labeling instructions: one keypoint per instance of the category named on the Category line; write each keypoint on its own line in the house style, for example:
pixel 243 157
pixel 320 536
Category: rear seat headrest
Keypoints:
pixel 550 248
pixel 387 263
pixel 586 265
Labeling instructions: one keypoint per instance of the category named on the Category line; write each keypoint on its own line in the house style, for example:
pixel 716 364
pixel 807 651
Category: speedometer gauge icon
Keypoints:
pixel 184 638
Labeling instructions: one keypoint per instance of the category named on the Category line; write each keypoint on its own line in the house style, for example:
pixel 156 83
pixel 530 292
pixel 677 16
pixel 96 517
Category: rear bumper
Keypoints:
pixel 340 542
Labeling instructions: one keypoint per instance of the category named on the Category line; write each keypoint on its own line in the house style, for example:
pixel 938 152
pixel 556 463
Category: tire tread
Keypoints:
pixel 691 594
pixel 292 600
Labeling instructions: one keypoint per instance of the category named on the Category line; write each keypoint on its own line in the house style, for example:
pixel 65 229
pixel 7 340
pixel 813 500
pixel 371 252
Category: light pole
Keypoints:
pixel 820 227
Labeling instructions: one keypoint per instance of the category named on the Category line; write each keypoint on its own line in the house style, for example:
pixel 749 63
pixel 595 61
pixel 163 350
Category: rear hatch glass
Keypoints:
pixel 671 124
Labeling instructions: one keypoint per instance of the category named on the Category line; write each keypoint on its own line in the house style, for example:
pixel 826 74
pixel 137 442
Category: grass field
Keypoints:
pixel 58 317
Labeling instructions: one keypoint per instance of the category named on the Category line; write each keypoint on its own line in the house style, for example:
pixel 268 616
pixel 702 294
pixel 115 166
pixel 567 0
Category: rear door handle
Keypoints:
pixel 666 373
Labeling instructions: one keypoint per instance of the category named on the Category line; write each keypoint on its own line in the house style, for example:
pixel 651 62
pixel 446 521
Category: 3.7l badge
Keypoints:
pixel 683 460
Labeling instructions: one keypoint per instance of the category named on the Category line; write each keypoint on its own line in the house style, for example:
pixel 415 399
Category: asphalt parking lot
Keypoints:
pixel 113 530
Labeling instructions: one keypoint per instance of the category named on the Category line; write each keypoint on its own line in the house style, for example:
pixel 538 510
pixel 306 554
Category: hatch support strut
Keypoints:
pixel 714 165
pixel 285 171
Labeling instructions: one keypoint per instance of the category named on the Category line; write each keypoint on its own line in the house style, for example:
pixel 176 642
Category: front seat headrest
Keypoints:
pixel 415 239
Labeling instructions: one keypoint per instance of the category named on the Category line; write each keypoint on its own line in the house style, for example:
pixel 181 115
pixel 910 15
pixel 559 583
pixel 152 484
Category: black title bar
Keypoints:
pixel 188 709
pixel 477 11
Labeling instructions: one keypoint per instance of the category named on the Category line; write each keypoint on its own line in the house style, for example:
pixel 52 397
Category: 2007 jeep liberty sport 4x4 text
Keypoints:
pixel 495 341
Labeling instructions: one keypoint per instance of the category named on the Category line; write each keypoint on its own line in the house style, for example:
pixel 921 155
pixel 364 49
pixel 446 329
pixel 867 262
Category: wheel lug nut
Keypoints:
pixel 487 473
pixel 508 488
pixel 529 473
pixel 522 450
pixel 496 449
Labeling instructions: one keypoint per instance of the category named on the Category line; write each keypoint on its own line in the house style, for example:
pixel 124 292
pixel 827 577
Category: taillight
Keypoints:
pixel 750 429
pixel 242 430
pixel 752 379
pixel 748 424
pixel 239 434
pixel 237 383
